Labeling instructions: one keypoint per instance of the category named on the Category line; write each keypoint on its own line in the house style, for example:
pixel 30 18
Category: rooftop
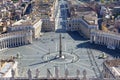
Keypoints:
pixel 5 66
pixel 82 10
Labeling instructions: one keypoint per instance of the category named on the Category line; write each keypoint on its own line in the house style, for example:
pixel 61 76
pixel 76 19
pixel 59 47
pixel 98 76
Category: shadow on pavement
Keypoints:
pixel 47 61
pixel 76 36
pixel 60 31
pixel 113 53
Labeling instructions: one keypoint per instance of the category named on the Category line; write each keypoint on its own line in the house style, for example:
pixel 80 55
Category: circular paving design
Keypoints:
pixel 66 58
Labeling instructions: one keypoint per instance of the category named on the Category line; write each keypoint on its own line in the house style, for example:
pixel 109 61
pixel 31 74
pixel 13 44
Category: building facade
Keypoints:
pixel 22 25
pixel 80 25
pixel 48 25
pixel 36 29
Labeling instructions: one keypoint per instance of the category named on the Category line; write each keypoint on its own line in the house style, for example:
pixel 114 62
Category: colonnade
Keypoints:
pixel 111 40
pixel 14 39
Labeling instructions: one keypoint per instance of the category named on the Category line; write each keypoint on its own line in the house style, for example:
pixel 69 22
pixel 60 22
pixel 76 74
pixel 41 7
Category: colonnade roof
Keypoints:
pixel 13 34
pixel 107 34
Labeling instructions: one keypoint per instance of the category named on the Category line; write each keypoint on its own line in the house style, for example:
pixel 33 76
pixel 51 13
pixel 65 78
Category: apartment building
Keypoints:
pixel 82 19
pixel 23 25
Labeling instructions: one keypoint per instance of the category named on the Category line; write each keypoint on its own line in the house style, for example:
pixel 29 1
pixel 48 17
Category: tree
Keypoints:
pixel 102 1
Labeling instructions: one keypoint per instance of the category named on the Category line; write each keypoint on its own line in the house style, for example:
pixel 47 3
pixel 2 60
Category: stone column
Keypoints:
pixel 97 39
pixel 117 43
pixel 30 38
pixel 107 41
pixel 94 38
pixel 6 43
pixel 3 44
pixel 9 42
pixel 22 40
pixel 104 40
pixel 101 40
pixel 114 43
pixel 91 38
pixel 0 45
pixel 16 41
pixel 19 40
pixel 25 39
pixel 12 40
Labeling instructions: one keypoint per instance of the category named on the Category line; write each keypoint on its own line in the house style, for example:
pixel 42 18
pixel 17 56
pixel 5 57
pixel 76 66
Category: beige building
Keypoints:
pixel 83 19
pixel 37 28
pixel 48 25
pixel 83 11
pixel 80 25
pixel 22 25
